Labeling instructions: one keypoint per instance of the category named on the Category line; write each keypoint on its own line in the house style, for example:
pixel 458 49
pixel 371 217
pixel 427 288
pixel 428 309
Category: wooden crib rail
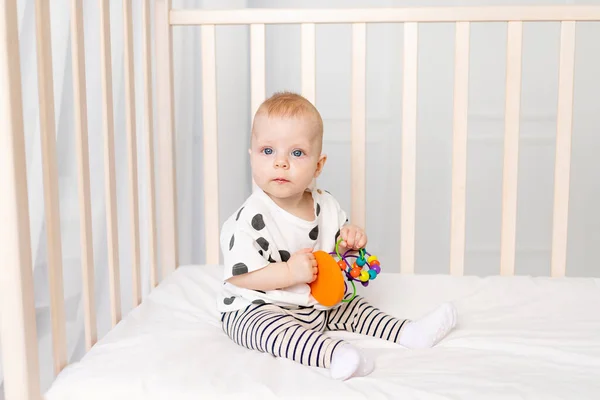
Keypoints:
pixel 52 214
pixel 409 149
pixel 130 126
pixel 17 316
pixel 166 133
pixel 83 172
pixel 19 342
pixel 511 146
pixel 149 125
pixel 373 15
pixel 211 167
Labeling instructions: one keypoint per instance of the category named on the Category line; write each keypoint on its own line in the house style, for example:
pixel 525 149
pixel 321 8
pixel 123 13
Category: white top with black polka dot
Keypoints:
pixel 261 232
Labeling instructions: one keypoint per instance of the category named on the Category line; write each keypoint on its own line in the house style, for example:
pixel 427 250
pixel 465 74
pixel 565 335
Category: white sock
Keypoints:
pixel 348 361
pixel 429 330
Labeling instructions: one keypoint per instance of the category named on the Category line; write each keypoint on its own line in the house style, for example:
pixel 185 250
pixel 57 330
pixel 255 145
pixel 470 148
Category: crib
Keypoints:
pixel 504 318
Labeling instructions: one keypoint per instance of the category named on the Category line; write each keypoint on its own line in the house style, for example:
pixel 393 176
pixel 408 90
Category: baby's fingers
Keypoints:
pixel 362 242
pixel 351 240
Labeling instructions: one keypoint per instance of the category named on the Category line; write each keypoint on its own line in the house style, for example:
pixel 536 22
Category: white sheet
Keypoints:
pixel 517 338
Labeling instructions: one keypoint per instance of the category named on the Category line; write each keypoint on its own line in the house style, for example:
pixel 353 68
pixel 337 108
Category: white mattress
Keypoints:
pixel 517 338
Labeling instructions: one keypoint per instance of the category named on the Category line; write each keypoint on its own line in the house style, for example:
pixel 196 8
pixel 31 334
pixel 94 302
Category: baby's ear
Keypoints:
pixel 320 164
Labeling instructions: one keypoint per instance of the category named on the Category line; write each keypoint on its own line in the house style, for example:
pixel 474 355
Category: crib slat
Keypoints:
pixel 309 68
pixel 257 66
pixel 257 70
pixel 409 149
pixel 358 131
pixel 109 163
pixel 83 172
pixel 52 210
pixel 149 125
pixel 132 149
pixel 167 185
pixel 309 77
pixel 563 149
pixel 211 180
pixel 511 147
pixel 17 309
pixel 459 149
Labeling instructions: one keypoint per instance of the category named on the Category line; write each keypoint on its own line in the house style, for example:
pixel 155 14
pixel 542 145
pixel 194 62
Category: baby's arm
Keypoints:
pixel 273 276
pixel 300 268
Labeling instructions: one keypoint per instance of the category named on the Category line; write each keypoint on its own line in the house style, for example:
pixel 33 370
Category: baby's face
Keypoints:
pixel 285 154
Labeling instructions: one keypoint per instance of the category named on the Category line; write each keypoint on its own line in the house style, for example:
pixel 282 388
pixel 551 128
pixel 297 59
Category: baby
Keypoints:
pixel 268 246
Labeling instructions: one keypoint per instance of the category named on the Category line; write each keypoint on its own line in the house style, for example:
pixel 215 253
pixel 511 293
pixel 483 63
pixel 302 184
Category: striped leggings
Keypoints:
pixel 298 334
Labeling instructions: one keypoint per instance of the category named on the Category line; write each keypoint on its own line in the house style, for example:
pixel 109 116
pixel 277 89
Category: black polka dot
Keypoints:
pixel 258 301
pixel 231 242
pixel 260 252
pixel 257 222
pixel 271 259
pixel 239 269
pixel 285 255
pixel 262 242
pixel 346 219
pixel 314 234
pixel 318 209
pixel 238 214
pixel 228 300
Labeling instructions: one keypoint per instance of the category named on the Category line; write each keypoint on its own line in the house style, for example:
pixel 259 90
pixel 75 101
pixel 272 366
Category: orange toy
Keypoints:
pixel 328 288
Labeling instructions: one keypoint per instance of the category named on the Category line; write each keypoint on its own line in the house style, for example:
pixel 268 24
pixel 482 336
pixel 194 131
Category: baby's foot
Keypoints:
pixel 347 361
pixel 429 330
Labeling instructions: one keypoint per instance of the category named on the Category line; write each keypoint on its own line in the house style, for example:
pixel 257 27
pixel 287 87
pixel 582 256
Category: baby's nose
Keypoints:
pixel 281 163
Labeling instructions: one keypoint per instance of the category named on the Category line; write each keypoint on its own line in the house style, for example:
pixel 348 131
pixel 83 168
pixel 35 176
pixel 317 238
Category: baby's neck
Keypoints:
pixel 300 205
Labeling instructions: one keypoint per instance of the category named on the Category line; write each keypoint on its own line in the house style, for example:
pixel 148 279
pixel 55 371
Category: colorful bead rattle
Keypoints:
pixel 365 268
pixel 328 289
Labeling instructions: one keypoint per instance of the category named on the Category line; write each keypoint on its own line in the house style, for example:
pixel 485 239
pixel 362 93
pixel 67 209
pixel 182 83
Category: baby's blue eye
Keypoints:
pixel 297 153
pixel 268 151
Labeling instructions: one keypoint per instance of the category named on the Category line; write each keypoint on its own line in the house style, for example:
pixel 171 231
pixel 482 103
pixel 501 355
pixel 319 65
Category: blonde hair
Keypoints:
pixel 291 105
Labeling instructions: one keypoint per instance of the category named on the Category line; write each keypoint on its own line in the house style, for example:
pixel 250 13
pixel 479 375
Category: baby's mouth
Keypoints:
pixel 280 180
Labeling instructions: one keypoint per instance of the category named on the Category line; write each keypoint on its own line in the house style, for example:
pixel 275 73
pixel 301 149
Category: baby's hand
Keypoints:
pixel 302 267
pixel 353 237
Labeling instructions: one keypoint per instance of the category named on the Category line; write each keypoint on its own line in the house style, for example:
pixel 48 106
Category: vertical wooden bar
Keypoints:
pixel 166 137
pixel 257 66
pixel 109 163
pixel 511 147
pixel 562 165
pixel 409 149
pixel 358 130
pixel 83 172
pixel 309 73
pixel 211 180
pixel 17 308
pixel 51 195
pixel 459 149
pixel 309 67
pixel 257 70
pixel 149 125
pixel 132 149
